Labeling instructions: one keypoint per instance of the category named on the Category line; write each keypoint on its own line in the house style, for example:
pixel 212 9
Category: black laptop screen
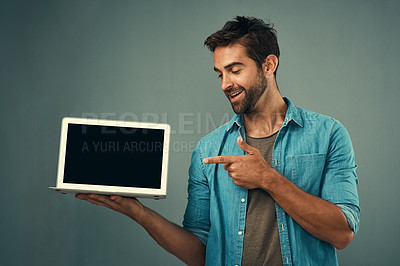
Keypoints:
pixel 114 156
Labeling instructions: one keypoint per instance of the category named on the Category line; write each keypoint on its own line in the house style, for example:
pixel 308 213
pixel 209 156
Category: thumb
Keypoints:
pixel 121 200
pixel 244 146
pixel 117 199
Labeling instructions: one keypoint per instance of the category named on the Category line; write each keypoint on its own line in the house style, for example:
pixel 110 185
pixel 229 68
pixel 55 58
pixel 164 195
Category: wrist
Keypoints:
pixel 271 180
pixel 138 212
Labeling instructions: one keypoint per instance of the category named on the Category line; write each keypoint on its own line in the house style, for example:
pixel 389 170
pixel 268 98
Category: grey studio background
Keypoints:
pixel 145 60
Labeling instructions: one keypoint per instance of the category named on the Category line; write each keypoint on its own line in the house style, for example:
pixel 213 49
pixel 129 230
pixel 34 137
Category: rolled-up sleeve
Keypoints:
pixel 340 179
pixel 197 214
pixel 352 214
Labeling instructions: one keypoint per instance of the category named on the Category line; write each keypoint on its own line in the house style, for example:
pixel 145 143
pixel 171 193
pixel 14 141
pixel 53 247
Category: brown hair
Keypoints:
pixel 258 37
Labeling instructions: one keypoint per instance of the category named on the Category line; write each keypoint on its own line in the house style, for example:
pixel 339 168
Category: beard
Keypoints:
pixel 251 95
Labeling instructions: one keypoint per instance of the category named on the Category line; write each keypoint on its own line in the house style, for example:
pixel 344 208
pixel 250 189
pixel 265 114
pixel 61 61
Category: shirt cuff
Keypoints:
pixel 201 234
pixel 352 214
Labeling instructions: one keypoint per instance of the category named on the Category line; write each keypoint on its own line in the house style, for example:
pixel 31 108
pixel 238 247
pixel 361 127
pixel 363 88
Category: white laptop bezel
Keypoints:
pixel 112 190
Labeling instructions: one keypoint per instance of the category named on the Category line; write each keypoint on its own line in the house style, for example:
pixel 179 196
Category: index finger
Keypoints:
pixel 221 159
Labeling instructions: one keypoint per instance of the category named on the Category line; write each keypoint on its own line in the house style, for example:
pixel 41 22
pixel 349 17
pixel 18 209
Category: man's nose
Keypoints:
pixel 226 83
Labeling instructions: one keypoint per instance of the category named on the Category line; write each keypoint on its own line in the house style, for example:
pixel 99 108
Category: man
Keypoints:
pixel 287 196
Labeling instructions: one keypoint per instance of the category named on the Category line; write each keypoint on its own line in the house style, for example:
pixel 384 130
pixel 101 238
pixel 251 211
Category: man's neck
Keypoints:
pixel 268 115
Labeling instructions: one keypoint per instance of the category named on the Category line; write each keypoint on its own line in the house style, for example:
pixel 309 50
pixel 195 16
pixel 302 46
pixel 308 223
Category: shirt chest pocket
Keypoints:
pixel 307 170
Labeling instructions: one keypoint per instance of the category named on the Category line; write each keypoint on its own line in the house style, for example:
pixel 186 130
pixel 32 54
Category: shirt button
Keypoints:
pixel 240 233
pixel 243 200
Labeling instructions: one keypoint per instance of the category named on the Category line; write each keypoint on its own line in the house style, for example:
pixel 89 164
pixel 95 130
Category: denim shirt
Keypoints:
pixel 311 150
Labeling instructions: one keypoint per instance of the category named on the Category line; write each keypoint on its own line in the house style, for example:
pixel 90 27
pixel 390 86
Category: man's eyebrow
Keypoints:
pixel 229 66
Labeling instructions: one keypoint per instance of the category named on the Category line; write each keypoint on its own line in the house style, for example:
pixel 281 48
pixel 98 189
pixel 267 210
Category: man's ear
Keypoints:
pixel 270 64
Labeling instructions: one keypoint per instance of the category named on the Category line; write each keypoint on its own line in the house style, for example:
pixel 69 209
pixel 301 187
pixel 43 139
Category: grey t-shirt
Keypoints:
pixel 261 244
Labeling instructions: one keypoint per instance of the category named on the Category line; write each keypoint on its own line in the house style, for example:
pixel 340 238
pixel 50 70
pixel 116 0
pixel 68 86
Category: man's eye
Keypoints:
pixel 220 76
pixel 235 72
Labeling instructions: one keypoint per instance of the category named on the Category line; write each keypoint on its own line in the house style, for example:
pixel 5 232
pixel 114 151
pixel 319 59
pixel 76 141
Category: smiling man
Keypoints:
pixel 274 186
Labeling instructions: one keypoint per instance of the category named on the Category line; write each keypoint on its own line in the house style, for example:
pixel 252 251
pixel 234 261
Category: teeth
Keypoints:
pixel 236 93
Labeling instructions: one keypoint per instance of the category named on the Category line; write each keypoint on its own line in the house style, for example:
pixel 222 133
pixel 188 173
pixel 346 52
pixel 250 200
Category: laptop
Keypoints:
pixel 113 158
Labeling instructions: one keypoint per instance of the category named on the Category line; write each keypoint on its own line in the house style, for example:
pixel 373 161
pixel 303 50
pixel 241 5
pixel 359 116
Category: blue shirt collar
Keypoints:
pixel 292 114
